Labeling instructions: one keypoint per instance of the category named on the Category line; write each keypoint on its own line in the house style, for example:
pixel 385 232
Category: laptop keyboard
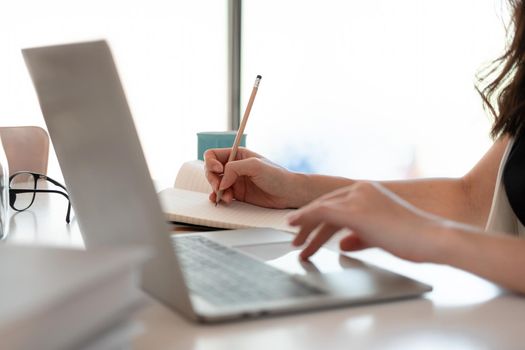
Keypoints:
pixel 224 276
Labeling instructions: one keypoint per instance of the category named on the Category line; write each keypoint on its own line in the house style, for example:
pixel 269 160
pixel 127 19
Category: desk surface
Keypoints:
pixel 463 311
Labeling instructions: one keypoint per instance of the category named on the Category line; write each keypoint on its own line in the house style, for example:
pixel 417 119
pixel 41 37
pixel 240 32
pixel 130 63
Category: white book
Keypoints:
pixel 187 202
pixel 55 298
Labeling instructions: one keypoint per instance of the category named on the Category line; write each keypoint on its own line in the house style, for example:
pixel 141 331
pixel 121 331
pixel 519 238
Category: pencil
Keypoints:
pixel 240 132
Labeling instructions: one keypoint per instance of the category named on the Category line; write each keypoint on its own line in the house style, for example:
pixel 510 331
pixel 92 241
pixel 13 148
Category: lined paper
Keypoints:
pixel 195 208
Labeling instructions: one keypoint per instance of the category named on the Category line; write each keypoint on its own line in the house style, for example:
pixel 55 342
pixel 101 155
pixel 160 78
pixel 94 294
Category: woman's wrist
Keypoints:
pixel 297 189
pixel 448 241
pixel 307 187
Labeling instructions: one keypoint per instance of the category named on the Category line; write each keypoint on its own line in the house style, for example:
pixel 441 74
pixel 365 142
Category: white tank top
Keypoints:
pixel 502 217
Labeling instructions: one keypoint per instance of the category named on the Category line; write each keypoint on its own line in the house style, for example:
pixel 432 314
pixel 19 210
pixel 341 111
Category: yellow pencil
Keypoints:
pixel 240 132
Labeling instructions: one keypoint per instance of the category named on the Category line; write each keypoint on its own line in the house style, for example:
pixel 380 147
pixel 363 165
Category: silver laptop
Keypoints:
pixel 209 276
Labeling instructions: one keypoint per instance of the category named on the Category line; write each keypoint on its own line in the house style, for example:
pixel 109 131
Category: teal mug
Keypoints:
pixel 216 139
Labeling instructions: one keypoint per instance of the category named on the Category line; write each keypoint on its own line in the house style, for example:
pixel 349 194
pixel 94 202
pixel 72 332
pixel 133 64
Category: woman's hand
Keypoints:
pixel 375 216
pixel 252 179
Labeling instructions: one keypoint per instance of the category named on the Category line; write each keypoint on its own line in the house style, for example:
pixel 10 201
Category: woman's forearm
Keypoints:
pixel 496 257
pixel 466 199
pixel 312 186
pixel 448 198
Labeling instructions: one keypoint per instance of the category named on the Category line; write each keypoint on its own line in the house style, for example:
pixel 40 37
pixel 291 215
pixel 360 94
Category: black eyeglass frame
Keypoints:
pixel 36 176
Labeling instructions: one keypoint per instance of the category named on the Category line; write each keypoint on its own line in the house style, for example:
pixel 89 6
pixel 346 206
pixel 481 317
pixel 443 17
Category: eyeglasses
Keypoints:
pixel 24 185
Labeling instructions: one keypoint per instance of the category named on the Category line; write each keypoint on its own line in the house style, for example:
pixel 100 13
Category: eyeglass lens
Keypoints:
pixel 25 181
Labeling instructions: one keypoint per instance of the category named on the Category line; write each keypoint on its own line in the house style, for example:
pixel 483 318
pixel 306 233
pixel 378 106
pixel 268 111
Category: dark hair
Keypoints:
pixel 508 86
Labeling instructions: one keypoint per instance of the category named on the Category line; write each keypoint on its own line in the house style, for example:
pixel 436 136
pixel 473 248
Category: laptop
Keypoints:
pixel 206 276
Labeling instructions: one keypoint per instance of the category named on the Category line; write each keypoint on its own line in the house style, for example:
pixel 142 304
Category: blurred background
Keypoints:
pixel 375 89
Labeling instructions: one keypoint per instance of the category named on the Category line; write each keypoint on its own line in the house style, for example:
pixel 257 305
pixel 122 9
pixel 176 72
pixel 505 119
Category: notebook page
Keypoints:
pixel 195 208
pixel 191 177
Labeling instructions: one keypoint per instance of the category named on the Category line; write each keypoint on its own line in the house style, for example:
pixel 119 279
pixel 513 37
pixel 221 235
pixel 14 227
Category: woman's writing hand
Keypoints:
pixel 250 178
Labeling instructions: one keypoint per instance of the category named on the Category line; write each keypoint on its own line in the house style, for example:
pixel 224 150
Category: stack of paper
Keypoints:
pixel 61 299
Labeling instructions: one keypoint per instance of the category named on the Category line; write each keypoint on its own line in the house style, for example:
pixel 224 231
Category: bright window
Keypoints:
pixel 366 89
pixel 370 89
pixel 171 56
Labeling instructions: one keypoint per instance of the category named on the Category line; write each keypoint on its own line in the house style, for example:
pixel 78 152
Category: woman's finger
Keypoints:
pixel 321 237
pixel 213 180
pixel 227 196
pixel 247 167
pixel 219 155
pixel 338 194
pixel 303 234
pixel 352 242
pixel 338 212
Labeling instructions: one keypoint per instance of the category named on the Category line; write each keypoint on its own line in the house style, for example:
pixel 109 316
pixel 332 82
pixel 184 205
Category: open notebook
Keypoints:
pixel 188 202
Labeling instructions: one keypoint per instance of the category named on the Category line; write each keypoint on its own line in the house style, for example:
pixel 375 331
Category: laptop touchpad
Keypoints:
pixel 286 257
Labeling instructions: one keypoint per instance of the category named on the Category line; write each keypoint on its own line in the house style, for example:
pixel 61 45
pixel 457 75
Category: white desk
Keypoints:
pixel 463 312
